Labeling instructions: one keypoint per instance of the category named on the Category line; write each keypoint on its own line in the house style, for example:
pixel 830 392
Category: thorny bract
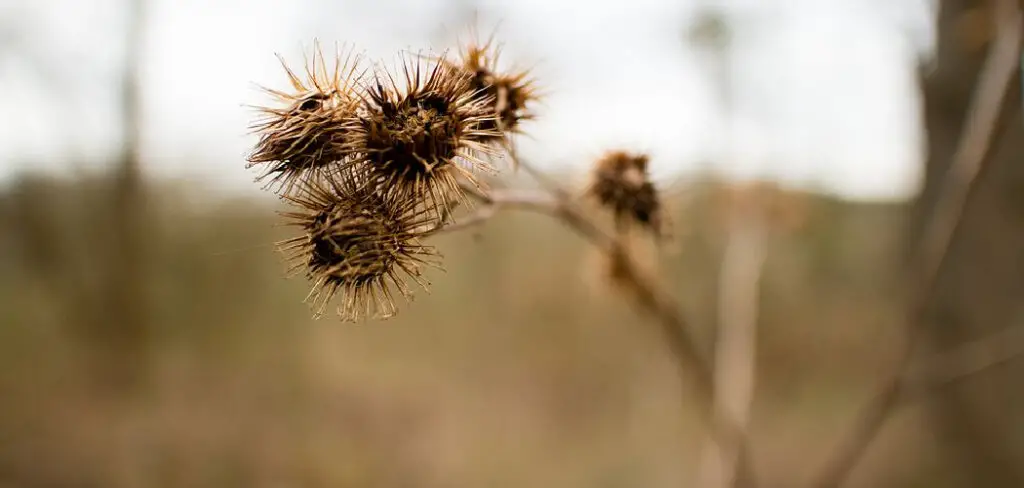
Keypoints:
pixel 361 243
pixel 310 126
pixel 417 141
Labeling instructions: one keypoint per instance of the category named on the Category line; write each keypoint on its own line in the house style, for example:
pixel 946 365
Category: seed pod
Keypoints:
pixel 356 243
pixel 509 93
pixel 620 184
pixel 310 128
pixel 418 140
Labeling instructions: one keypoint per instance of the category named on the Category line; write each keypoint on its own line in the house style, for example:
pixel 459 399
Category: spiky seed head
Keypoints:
pixel 620 183
pixel 510 93
pixel 310 127
pixel 356 243
pixel 418 140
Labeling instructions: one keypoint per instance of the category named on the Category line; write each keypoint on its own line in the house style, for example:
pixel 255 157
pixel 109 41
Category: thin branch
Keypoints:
pixel 473 220
pixel 557 202
pixel 964 361
pixel 736 341
pixel 492 202
pixel 969 161
pixel 674 325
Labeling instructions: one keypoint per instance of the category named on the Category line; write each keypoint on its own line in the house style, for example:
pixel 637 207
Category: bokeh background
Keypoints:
pixel 148 337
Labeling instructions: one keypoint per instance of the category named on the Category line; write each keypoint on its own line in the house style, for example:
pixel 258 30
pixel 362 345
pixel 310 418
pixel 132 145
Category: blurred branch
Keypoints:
pixel 942 370
pixel 969 161
pixel 964 361
pixel 736 340
pixel 126 326
pixel 735 351
pixel 557 202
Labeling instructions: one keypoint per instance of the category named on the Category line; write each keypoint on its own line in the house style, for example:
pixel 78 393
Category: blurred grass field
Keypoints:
pixel 513 371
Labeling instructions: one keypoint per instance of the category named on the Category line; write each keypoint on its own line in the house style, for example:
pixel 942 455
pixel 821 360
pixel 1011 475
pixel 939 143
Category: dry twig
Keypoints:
pixel 736 340
pixel 557 202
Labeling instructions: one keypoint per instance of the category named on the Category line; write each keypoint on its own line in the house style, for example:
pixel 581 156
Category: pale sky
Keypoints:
pixel 824 90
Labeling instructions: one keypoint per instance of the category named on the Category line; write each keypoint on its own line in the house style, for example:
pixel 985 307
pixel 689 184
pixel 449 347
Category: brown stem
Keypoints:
pixel 736 341
pixel 555 201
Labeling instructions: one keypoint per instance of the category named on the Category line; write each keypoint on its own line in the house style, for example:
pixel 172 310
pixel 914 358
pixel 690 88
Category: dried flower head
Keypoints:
pixel 418 140
pixel 357 243
pixel 620 183
pixel 510 94
pixel 311 126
